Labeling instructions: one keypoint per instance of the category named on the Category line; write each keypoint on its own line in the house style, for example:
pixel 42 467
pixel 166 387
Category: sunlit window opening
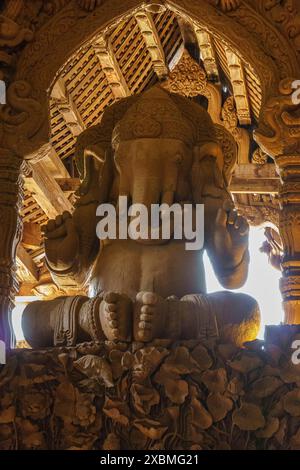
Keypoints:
pixel 262 282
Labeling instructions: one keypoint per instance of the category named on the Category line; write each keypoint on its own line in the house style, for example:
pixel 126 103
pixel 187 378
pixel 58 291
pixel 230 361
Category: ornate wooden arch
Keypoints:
pixel 264 47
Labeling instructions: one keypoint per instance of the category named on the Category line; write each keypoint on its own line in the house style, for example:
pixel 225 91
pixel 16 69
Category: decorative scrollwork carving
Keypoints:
pixel 11 36
pixel 229 148
pixel 90 5
pixel 190 80
pixel 287 16
pixel 51 7
pixel 21 119
pixel 259 157
pixel 279 131
pixel 187 78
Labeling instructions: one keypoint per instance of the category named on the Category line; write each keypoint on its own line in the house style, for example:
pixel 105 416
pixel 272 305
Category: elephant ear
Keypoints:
pixel 91 159
pixel 228 160
pixel 96 141
pixel 89 143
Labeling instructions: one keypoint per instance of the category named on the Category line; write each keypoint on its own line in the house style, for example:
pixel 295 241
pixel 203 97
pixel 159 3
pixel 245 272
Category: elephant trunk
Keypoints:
pixel 146 191
pixel 150 190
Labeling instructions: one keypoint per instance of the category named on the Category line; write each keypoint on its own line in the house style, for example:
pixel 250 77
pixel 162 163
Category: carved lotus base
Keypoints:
pixel 184 395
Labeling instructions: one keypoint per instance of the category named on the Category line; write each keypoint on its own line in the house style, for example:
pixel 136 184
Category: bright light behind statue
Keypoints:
pixel 262 282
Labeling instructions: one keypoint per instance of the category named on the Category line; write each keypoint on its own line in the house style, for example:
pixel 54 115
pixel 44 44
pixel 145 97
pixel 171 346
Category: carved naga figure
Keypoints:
pixel 153 148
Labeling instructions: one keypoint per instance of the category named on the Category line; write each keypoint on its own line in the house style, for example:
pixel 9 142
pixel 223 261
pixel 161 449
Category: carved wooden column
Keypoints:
pixel 279 137
pixel 289 226
pixel 20 122
pixel 10 234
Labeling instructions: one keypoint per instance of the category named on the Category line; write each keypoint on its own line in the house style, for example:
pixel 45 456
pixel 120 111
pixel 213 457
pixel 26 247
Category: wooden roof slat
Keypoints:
pixel 82 62
pixel 95 73
pixel 95 100
pixel 110 67
pixel 90 89
pixel 96 112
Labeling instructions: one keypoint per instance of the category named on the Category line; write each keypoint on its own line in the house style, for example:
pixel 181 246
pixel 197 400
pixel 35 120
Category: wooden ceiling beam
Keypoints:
pixel 258 179
pixel 68 184
pixel 254 171
pixel 104 51
pixel 152 40
pixel 32 236
pixel 26 265
pixel 238 81
pixel 67 107
pixel 261 186
pixel 54 164
pixel 207 52
pixel 46 191
pixel 247 178
pixel 39 179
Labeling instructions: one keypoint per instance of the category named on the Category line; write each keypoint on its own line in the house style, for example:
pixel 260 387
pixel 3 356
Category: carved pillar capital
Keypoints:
pixel 279 136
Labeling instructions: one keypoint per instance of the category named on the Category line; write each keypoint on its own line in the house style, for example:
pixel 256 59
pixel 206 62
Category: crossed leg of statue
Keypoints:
pixel 72 320
pixel 232 317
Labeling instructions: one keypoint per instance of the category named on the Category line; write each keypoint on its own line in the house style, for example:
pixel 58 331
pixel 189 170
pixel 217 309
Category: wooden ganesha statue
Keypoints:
pixel 152 148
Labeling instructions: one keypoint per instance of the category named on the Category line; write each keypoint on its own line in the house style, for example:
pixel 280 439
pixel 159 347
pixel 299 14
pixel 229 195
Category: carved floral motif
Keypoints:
pixel 259 210
pixel 259 157
pixel 187 78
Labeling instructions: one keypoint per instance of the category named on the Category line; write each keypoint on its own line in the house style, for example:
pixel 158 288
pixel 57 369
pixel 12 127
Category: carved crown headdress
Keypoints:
pixel 152 114
pixel 159 114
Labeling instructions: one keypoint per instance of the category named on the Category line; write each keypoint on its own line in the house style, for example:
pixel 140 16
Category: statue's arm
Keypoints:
pixel 226 242
pixel 71 243
pixel 71 246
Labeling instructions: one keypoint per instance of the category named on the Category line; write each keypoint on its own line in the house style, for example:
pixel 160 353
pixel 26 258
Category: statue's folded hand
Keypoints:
pixel 61 242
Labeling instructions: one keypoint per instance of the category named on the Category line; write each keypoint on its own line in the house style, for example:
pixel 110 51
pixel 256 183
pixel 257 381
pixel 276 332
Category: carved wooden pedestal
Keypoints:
pixel 163 396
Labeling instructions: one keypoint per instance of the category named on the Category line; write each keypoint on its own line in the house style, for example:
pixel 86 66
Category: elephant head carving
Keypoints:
pixel 155 148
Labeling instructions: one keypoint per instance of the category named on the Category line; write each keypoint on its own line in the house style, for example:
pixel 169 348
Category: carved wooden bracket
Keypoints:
pixel 152 40
pixel 110 67
pixel 241 136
